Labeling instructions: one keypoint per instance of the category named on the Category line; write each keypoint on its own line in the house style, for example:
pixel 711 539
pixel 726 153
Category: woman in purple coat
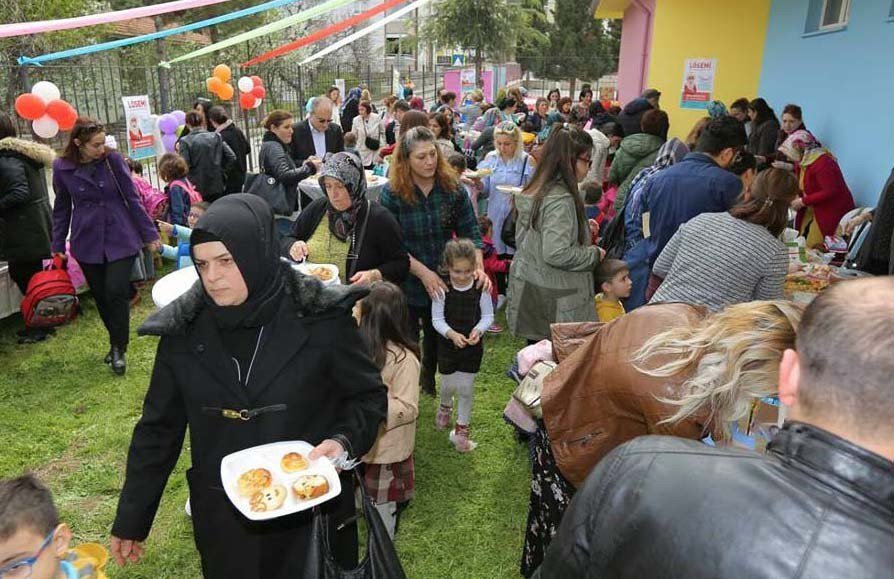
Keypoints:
pixel 96 201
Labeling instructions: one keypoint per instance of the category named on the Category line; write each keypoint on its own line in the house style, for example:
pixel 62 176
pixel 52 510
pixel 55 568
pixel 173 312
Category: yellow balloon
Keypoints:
pixel 222 72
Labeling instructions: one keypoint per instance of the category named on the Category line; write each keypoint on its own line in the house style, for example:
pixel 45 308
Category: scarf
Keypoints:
pixel 347 170
pixel 671 152
pixel 552 118
pixel 353 95
pixel 244 224
pixel 802 147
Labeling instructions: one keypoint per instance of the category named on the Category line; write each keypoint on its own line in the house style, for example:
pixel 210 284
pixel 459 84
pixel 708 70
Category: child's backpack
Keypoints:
pixel 50 299
pixel 154 202
pixel 186 185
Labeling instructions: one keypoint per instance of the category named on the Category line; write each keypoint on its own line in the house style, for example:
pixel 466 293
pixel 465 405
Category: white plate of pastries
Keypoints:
pixel 278 479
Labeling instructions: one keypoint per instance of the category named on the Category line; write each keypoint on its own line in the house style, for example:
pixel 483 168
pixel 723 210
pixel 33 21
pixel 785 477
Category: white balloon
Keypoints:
pixel 257 103
pixel 245 84
pixel 46 90
pixel 45 127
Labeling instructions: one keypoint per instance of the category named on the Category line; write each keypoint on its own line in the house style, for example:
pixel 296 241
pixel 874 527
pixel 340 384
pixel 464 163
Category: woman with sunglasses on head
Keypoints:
pixel 96 200
pixel 551 278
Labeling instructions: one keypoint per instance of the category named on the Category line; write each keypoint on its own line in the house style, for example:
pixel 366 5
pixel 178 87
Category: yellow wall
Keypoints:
pixel 733 33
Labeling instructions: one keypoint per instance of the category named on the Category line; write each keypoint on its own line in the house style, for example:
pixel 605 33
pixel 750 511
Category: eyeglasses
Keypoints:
pixel 23 568
pixel 194 215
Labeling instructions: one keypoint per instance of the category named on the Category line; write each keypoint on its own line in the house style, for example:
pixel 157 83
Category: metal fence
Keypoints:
pixel 96 89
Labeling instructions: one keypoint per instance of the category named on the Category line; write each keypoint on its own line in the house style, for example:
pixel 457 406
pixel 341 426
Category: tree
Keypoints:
pixel 487 28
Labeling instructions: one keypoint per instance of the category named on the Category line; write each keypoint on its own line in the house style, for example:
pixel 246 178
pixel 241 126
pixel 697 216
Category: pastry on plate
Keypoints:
pixel 268 499
pixel 310 486
pixel 251 481
pixel 321 273
pixel 293 462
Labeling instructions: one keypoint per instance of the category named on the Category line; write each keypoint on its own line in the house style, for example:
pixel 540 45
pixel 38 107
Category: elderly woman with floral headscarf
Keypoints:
pixel 825 196
pixel 346 229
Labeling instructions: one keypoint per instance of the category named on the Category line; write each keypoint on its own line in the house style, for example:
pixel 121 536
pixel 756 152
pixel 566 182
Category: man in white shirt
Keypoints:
pixel 317 136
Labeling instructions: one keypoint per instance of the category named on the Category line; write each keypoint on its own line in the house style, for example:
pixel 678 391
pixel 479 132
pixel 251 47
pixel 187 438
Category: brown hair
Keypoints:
pixel 365 105
pixel 172 166
pixel 607 271
pixel 400 174
pixel 411 120
pixel 194 120
pixel 276 118
pixel 460 248
pixel 84 128
pixel 696 132
pixel 385 321
pixel 443 124
pixel 26 503
pixel 485 225
pixel 795 111
pixel 7 128
pixel 564 101
pixel 389 101
pixel 557 163
pixel 655 122
pixel 771 193
pixel 350 139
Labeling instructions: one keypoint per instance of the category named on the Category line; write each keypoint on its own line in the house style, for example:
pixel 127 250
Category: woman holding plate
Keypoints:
pixel 241 361
pixel 346 229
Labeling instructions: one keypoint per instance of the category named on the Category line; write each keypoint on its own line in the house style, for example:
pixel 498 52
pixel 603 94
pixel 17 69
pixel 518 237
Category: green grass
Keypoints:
pixel 64 416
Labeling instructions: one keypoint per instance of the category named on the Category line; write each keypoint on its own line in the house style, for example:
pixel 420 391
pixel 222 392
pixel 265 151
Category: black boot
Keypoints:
pixel 119 363
pixel 108 358
pixel 427 381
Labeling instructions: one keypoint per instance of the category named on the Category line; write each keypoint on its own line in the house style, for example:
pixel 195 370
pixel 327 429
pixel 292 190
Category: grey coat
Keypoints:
pixel 551 278
pixel 208 157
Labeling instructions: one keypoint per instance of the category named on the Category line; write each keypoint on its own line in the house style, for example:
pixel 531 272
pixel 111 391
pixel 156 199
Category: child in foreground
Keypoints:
pixel 34 544
pixel 460 317
pixel 389 477
pixel 180 254
pixel 614 284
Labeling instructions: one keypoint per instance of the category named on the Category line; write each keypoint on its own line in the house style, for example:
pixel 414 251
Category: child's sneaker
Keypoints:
pixel 495 329
pixel 443 418
pixel 459 436
pixel 501 301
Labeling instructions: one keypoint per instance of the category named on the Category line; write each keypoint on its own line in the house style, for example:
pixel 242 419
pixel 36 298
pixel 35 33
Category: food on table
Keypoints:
pixel 254 480
pixel 293 462
pixel 268 499
pixel 310 486
pixel 810 277
pixel 321 273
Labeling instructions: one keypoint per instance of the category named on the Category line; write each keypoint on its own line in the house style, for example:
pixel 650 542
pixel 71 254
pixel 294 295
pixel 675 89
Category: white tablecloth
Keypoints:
pixel 311 187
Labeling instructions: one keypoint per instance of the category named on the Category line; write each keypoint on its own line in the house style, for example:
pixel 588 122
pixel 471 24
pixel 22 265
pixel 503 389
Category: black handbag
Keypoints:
pixel 380 562
pixel 371 143
pixel 507 232
pixel 270 190
pixel 143 268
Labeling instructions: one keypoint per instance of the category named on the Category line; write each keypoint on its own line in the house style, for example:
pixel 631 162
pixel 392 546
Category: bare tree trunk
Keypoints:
pixel 164 83
pixel 479 73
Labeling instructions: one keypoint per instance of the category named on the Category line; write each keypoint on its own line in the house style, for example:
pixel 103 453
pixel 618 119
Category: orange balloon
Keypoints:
pixel 30 106
pixel 247 100
pixel 63 113
pixel 222 72
pixel 214 84
pixel 226 92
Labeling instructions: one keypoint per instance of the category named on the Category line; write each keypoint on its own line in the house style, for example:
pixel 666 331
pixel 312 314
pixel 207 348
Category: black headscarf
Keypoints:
pixel 244 224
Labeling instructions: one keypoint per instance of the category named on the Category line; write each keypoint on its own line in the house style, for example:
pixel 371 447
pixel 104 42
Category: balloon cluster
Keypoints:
pixel 219 82
pixel 170 125
pixel 253 92
pixel 46 110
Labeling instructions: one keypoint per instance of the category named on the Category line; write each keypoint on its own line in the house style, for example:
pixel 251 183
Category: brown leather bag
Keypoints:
pixel 570 336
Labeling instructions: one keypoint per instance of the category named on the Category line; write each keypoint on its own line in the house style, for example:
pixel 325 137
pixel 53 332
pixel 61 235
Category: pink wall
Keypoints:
pixel 452 82
pixel 636 43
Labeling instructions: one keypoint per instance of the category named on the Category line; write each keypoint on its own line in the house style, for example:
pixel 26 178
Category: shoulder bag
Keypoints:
pixel 269 189
pixel 507 232
pixel 143 264
pixel 380 562
pixel 371 143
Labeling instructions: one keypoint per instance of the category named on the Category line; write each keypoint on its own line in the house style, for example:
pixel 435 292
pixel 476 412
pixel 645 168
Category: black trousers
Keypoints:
pixel 21 271
pixel 421 320
pixel 110 285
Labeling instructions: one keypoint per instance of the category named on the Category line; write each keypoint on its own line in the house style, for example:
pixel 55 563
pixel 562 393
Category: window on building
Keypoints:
pixel 397 45
pixel 835 13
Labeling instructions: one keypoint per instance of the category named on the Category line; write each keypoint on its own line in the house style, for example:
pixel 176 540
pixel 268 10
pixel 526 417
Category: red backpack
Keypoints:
pixel 50 299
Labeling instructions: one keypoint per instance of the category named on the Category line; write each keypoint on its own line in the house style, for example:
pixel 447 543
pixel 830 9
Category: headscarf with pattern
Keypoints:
pixel 347 169
pixel 716 109
pixel 802 147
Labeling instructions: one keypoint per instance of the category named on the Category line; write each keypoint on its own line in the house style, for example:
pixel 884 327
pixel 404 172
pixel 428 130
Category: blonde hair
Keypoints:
pixel 732 359
pixel 511 130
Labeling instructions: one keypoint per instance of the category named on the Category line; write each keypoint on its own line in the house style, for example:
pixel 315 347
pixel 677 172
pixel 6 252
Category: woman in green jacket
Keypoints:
pixel 551 278
pixel 636 153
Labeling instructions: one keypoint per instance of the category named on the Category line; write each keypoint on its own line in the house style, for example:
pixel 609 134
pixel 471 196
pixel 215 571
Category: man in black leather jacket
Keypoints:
pixel 819 504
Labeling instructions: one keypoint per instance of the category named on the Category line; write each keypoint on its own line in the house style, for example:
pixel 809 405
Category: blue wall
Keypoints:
pixel 844 82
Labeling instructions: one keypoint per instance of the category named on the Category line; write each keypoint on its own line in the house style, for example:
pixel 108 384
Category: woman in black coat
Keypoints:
pixel 254 337
pixel 762 140
pixel 345 227
pixel 233 136
pixel 25 223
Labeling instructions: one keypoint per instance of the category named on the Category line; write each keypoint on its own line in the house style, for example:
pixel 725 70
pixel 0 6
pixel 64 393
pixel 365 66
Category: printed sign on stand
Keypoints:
pixel 140 127
pixel 698 83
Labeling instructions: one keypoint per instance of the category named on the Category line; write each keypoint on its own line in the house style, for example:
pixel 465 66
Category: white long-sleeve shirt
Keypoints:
pixel 487 313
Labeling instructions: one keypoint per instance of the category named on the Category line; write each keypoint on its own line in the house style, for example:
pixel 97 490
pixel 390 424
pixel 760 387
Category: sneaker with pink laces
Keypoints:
pixel 459 436
pixel 495 329
pixel 443 417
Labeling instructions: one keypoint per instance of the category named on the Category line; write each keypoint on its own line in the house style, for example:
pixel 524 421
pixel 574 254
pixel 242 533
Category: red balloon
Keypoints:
pixel 257 80
pixel 246 100
pixel 259 92
pixel 63 113
pixel 30 106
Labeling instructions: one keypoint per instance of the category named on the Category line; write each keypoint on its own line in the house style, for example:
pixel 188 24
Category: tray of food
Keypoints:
pixel 325 272
pixel 274 480
pixel 512 189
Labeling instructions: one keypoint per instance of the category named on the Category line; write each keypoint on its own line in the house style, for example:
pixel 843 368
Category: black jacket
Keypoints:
pixel 631 117
pixel 814 507
pixel 380 248
pixel 762 140
pixel 25 223
pixel 235 173
pixel 302 145
pixel 208 157
pixel 311 362
pixel 274 160
pixel 875 254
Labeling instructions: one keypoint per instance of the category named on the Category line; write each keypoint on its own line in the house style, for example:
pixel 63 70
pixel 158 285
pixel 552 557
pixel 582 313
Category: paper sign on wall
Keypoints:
pixel 698 83
pixel 140 127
